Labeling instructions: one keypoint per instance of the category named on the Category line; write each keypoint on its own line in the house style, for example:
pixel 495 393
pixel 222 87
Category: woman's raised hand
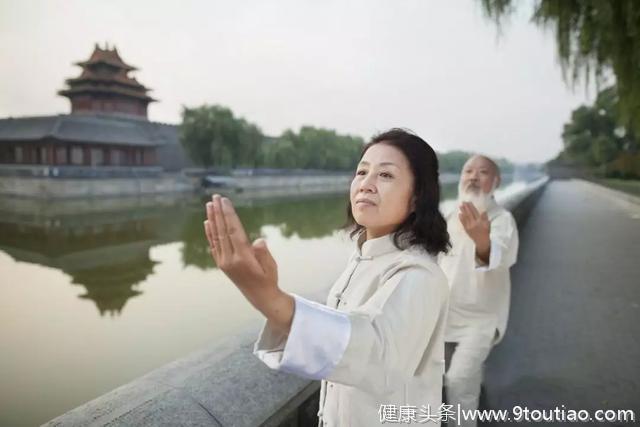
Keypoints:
pixel 250 267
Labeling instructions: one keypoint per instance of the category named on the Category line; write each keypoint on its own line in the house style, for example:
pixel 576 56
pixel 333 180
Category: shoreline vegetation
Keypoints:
pixel 214 138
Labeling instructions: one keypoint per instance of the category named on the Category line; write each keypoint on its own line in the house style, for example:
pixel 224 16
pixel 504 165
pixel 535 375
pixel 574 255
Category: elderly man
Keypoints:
pixel 484 241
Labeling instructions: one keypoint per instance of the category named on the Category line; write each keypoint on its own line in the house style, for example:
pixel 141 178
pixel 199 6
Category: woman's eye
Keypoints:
pixel 386 175
pixel 361 172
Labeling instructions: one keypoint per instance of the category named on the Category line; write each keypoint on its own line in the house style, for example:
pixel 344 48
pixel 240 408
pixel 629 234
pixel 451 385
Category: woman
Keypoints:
pixel 379 340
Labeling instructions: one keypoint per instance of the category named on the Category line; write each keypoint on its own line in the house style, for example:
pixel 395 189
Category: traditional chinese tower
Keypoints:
pixel 104 86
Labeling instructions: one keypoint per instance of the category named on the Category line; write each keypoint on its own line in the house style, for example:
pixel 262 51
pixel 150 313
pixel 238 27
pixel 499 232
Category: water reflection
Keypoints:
pixel 107 251
pixel 144 265
pixel 305 218
pixel 104 245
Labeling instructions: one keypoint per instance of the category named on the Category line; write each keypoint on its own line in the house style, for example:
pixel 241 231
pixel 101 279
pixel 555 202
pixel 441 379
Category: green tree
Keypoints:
pixel 213 136
pixel 313 148
pixel 452 161
pixel 593 140
pixel 593 38
pixel 590 138
pixel 248 145
pixel 281 154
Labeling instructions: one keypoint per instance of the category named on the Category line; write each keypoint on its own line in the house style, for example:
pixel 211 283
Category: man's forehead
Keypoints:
pixel 481 162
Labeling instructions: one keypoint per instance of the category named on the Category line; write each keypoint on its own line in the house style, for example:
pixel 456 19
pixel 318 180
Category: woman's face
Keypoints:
pixel 382 190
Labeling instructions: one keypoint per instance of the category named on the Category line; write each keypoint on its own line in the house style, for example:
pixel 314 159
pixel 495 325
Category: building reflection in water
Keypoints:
pixel 104 246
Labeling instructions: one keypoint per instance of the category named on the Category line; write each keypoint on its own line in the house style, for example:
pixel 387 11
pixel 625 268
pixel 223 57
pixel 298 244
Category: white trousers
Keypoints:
pixel 463 379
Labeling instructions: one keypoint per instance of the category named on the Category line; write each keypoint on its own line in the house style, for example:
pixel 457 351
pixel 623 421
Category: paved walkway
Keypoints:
pixel 574 331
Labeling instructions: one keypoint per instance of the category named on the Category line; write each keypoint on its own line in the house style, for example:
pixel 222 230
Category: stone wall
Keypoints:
pixel 50 188
pixel 35 184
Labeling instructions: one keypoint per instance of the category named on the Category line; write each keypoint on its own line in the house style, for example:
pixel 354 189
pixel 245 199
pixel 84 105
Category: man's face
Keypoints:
pixel 478 176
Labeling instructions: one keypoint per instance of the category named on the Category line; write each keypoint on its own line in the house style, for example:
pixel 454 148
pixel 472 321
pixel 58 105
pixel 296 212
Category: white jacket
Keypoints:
pixel 480 295
pixel 378 341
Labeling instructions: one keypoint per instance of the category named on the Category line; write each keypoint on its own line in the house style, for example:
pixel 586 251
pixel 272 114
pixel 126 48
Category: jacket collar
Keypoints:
pixel 372 248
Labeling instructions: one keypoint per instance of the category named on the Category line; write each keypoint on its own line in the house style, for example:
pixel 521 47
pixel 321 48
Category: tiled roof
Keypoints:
pixel 108 56
pixel 120 77
pixel 86 87
pixel 89 128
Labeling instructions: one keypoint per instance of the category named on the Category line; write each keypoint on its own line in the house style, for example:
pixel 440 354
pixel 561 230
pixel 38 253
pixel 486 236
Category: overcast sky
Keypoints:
pixel 357 66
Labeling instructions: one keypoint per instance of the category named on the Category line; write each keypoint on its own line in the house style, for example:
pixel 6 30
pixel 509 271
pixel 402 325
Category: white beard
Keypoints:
pixel 480 200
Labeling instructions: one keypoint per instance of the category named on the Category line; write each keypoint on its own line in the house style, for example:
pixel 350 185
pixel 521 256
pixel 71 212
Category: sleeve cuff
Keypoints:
pixel 270 346
pixel 315 344
pixel 495 253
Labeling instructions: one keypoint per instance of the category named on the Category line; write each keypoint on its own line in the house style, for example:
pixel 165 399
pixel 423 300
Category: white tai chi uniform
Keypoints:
pixel 378 341
pixel 479 302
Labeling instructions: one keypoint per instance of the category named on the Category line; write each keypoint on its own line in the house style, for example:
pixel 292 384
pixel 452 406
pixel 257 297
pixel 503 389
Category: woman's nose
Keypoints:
pixel 367 185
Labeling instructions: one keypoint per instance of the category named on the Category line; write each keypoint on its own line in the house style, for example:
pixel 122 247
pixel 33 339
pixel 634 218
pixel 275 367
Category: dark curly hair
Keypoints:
pixel 425 226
